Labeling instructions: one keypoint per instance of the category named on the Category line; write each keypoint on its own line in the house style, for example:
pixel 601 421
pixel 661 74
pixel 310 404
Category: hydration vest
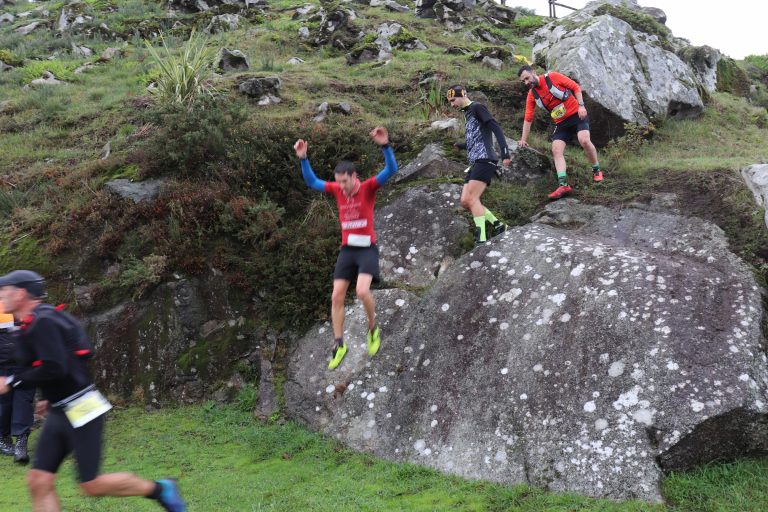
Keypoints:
pixel 554 91
pixel 72 331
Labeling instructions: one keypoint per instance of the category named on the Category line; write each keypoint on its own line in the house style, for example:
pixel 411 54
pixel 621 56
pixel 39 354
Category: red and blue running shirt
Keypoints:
pixel 355 210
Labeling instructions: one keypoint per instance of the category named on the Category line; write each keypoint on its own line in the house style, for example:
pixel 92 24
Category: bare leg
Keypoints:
pixel 118 484
pixel 43 491
pixel 337 306
pixel 589 148
pixel 558 154
pixel 366 297
pixel 470 197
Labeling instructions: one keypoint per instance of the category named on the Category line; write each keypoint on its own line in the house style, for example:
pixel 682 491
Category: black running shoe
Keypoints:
pixel 498 228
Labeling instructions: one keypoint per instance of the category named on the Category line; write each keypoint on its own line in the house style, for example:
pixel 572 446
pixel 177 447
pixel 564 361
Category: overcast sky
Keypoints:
pixel 735 27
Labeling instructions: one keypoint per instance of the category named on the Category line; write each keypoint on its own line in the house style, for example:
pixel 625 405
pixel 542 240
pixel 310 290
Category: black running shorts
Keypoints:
pixel 567 130
pixel 482 170
pixel 59 438
pixel 357 260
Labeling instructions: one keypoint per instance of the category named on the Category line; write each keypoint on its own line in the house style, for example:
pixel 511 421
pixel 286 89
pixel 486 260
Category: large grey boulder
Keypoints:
pixel 756 178
pixel 260 87
pixel 231 60
pixel 703 61
pixel 138 191
pixel 6 18
pixel 419 234
pixel 588 355
pixel 527 164
pixel 646 82
pixel 430 163
pixel 655 13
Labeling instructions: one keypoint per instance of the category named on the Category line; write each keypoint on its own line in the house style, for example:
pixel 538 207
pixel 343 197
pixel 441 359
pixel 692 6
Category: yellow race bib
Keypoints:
pixel 85 408
pixel 558 111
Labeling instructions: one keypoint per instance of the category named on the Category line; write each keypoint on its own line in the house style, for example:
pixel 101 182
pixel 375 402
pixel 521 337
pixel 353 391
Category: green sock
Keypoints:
pixel 562 178
pixel 480 223
pixel 596 167
pixel 490 217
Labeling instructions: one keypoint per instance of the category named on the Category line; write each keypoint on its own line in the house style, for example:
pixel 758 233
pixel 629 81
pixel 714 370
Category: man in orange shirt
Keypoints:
pixel 562 98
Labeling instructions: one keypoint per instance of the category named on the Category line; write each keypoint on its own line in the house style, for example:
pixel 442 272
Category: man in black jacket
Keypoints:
pixel 16 409
pixel 481 127
pixel 48 358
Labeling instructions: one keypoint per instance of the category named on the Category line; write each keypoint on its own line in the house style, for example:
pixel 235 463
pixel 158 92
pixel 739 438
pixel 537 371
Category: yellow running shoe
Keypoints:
pixel 338 354
pixel 374 340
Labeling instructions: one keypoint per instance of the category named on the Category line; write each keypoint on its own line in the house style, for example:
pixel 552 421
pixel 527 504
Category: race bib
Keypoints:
pixel 85 408
pixel 359 240
pixel 558 111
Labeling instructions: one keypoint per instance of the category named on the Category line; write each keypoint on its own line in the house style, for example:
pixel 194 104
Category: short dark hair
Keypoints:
pixel 345 167
pixel 523 69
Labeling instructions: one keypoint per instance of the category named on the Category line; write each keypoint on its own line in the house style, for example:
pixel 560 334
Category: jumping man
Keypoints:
pixel 480 128
pixel 359 256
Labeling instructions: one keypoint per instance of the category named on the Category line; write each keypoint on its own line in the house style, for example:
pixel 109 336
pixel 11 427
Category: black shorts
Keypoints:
pixel 59 438
pixel 357 260
pixel 482 170
pixel 566 130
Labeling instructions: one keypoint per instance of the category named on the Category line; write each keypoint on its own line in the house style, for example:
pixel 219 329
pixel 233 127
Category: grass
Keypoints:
pixel 227 461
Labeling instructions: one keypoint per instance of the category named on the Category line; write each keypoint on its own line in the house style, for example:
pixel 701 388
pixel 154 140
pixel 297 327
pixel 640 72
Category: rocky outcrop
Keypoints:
pixel 231 60
pixel 192 6
pixel 380 44
pixel 526 164
pixel 261 88
pixel 335 27
pixel 223 23
pixel 648 80
pixel 756 178
pixel 430 163
pixel 420 234
pixel 590 351
pixel 703 60
pixel 185 341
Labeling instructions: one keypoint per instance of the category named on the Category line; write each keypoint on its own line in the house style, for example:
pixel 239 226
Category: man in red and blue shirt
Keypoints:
pixel 359 255
pixel 562 98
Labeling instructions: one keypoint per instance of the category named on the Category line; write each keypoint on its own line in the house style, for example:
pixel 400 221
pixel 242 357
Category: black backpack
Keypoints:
pixel 73 332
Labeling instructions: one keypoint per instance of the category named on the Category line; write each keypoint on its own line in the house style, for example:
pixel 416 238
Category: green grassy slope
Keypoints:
pixel 227 462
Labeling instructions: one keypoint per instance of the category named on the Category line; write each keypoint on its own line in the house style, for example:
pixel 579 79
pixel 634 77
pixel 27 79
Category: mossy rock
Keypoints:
pixel 404 37
pixel 731 78
pixel 639 21
pixel 9 58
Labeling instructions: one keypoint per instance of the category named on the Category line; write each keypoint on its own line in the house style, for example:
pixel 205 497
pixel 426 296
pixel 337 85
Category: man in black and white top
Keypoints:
pixel 481 127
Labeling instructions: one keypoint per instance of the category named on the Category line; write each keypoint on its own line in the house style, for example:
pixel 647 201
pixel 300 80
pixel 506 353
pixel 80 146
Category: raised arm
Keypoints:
pixel 310 178
pixel 381 137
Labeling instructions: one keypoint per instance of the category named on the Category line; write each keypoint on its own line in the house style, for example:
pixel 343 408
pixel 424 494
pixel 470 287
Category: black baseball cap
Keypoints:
pixel 456 91
pixel 26 279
